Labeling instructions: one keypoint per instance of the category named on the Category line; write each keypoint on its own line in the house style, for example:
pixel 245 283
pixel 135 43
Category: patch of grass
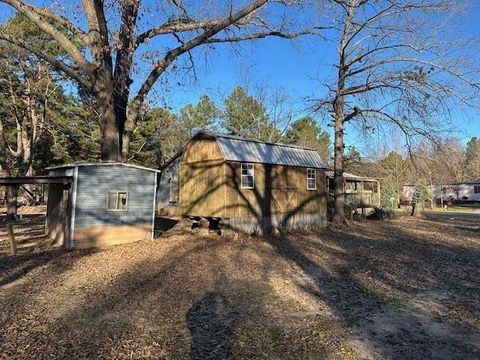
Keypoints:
pixel 459 209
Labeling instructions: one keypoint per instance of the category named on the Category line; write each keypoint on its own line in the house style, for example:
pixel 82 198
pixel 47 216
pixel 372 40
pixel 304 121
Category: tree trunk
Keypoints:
pixel 126 138
pixel 29 189
pixel 339 206
pixel 110 145
pixel 12 194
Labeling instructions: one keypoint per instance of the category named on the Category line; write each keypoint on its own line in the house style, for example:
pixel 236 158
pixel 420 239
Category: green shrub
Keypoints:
pixel 383 214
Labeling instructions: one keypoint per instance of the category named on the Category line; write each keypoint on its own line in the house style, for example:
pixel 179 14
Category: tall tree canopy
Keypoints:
pixel 393 70
pixel 305 131
pixel 203 115
pixel 123 40
pixel 472 159
pixel 246 116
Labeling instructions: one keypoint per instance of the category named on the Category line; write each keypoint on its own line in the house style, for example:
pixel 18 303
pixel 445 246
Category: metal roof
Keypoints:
pixel 349 176
pixel 235 148
pixel 102 163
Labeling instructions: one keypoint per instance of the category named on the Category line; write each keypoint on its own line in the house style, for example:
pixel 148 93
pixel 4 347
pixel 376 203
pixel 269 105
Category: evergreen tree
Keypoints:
pixel 158 137
pixel 203 115
pixel 472 159
pixel 389 194
pixel 247 117
pixel 306 132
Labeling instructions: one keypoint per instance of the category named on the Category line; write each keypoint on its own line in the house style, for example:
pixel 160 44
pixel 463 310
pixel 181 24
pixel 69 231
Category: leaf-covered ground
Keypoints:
pixel 406 289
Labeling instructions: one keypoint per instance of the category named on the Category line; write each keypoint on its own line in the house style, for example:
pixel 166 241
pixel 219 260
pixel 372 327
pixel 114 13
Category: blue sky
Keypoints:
pixel 295 67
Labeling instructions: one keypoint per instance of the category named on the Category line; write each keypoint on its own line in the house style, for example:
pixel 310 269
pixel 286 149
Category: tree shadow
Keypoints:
pixel 384 325
pixel 211 322
pixel 15 267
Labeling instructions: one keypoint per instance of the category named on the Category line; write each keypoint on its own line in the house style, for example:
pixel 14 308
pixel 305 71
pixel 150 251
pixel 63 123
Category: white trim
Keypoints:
pixel 253 175
pixel 154 205
pixel 105 163
pixel 108 198
pixel 314 178
pixel 71 241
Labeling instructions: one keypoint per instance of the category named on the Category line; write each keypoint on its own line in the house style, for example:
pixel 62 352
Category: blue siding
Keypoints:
pixel 93 184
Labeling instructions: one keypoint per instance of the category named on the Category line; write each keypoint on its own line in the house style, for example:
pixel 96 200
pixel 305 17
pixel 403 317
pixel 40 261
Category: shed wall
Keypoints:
pixel 59 207
pixel 202 150
pixel 169 182
pixel 97 226
pixel 57 225
pixel 212 189
pixel 278 190
pixel 202 189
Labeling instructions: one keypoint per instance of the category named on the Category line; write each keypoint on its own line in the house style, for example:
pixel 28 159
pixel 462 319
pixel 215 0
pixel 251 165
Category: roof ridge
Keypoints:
pixel 236 137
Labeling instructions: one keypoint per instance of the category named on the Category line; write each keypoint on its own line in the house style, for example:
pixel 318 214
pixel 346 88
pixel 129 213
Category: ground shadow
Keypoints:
pixel 211 322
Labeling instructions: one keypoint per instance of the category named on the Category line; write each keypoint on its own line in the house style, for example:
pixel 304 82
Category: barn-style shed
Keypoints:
pixel 104 203
pixel 252 186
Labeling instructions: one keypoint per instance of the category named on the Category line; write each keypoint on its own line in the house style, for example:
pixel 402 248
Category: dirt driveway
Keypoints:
pixel 407 289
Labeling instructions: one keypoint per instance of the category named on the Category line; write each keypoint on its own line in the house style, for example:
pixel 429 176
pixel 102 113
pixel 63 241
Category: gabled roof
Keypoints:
pixel 235 148
pixel 101 163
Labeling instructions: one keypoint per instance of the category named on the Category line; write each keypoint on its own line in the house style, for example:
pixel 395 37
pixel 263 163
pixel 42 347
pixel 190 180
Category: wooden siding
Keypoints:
pixel 212 189
pixel 93 184
pixel 202 189
pixel 278 190
pixel 111 235
pixel 202 150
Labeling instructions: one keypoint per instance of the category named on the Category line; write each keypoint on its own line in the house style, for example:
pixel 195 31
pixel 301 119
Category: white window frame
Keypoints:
pixel 117 192
pixel 252 175
pixel 314 178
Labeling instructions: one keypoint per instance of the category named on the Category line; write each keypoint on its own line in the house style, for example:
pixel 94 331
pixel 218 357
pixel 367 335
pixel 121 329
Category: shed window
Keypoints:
pixel 369 186
pixel 311 179
pixel 248 176
pixel 117 200
pixel 476 189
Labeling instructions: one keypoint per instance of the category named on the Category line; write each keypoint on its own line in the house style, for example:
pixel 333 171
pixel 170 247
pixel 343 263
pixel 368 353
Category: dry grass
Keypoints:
pixel 399 289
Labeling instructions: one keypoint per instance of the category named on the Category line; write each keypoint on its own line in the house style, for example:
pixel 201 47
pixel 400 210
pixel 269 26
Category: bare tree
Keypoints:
pixel 395 67
pixel 116 45
pixel 26 87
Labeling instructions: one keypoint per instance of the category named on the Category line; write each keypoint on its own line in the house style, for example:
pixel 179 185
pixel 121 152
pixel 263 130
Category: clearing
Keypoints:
pixel 405 289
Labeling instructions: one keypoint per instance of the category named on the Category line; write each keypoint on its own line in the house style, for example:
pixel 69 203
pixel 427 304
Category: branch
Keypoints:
pixel 176 25
pixel 171 55
pixel 261 35
pixel 63 41
pixel 61 21
pixel 57 64
pixel 350 116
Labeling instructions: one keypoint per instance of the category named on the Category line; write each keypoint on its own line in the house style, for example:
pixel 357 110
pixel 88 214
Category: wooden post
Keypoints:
pixel 362 199
pixel 11 235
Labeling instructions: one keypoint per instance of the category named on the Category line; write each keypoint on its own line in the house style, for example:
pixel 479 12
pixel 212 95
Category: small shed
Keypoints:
pixel 105 203
pixel 250 185
pixel 359 191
